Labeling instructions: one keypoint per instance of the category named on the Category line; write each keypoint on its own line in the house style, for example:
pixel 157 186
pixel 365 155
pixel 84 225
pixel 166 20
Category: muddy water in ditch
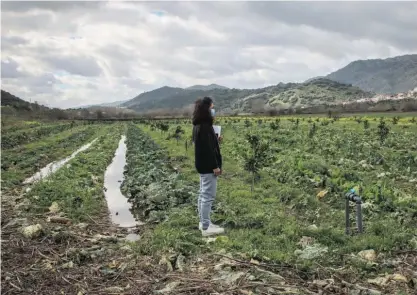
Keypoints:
pixel 118 204
pixel 54 166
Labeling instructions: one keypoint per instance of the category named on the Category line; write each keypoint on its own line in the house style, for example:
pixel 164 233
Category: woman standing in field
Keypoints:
pixel 208 162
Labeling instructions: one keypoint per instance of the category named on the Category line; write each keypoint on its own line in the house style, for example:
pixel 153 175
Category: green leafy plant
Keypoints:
pixel 256 158
pixel 383 131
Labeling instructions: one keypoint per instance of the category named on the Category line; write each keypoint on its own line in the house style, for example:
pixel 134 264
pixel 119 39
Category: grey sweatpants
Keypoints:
pixel 208 186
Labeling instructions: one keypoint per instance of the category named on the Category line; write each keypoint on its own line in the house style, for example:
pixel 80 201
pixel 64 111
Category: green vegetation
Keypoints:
pixel 289 95
pixel 150 183
pixel 23 161
pixel 78 187
pixel 300 193
pixel 13 139
pixel 391 75
pixel 280 198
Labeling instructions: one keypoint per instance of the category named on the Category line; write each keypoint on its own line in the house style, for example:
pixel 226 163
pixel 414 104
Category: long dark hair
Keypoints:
pixel 201 112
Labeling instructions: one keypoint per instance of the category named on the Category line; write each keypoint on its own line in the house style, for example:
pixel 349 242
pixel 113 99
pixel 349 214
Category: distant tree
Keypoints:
pixel 58 114
pixel 365 124
pixel 256 157
pixel 257 106
pixel 99 114
pixel 383 131
pixel 312 131
pixel 85 114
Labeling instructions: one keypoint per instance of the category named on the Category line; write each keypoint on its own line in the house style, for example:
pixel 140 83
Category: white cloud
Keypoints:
pixel 69 54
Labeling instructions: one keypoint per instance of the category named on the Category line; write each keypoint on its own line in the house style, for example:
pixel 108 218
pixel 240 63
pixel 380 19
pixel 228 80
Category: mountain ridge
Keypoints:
pixel 282 95
pixel 383 76
pixel 206 87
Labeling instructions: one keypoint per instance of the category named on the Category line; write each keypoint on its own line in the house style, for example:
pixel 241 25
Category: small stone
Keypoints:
pixel 180 263
pixel 311 251
pixel 114 289
pixel 368 255
pixel 32 231
pixel 312 227
pixel 399 278
pixel 168 288
pixel 322 194
pixel 379 281
pixel 68 265
pixel 323 283
pixel 54 208
pixel 82 225
pixel 305 241
pixel 132 237
pixel 165 261
pixel 227 277
pixel 210 240
pixel 126 248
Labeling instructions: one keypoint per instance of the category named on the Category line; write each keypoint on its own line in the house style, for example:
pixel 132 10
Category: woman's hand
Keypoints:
pixel 217 171
pixel 220 138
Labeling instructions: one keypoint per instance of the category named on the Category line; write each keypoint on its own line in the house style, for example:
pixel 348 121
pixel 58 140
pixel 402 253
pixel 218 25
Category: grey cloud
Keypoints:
pixel 120 59
pixel 9 69
pixel 135 83
pixel 76 65
pixel 24 6
pixel 394 22
pixel 12 41
pixel 245 44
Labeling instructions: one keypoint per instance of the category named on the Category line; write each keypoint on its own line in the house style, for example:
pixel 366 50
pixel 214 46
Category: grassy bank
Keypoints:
pixel 78 187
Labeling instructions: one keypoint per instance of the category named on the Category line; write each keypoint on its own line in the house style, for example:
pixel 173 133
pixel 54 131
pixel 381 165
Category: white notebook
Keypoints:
pixel 217 129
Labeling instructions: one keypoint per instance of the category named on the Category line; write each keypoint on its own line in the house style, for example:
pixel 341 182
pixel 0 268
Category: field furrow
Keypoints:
pixel 78 187
pixel 23 161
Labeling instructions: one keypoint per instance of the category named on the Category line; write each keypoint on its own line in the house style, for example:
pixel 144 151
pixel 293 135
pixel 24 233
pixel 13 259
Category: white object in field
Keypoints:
pixel 54 166
pixel 217 129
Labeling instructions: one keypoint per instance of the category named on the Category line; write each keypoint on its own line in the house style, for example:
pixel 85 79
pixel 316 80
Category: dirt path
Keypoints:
pixel 93 258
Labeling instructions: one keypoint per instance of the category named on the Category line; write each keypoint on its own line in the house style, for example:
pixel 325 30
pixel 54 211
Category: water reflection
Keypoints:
pixel 118 204
pixel 54 166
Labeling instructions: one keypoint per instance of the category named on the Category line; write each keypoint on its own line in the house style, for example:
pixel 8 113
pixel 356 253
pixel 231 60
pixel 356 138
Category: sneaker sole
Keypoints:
pixel 211 234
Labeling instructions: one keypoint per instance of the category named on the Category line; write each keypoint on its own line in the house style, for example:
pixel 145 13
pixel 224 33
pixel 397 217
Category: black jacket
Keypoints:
pixel 206 148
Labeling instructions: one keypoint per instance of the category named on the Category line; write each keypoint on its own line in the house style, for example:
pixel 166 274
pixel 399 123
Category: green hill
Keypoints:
pixel 290 95
pixel 206 87
pixel 391 75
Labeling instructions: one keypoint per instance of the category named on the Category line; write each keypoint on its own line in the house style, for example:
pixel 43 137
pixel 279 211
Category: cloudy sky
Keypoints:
pixel 68 54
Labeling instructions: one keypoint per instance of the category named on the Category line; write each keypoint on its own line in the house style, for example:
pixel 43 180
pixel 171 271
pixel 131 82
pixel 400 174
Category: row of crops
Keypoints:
pixel 280 197
pixel 24 160
pixel 151 184
pixel 285 178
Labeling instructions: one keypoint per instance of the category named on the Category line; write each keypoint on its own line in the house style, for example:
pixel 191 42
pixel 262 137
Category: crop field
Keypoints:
pixel 281 199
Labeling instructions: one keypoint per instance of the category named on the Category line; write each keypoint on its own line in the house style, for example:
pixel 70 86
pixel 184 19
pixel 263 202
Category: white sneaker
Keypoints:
pixel 212 230
pixel 200 225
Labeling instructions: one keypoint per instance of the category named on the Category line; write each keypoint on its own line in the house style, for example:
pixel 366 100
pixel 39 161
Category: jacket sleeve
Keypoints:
pixel 209 145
